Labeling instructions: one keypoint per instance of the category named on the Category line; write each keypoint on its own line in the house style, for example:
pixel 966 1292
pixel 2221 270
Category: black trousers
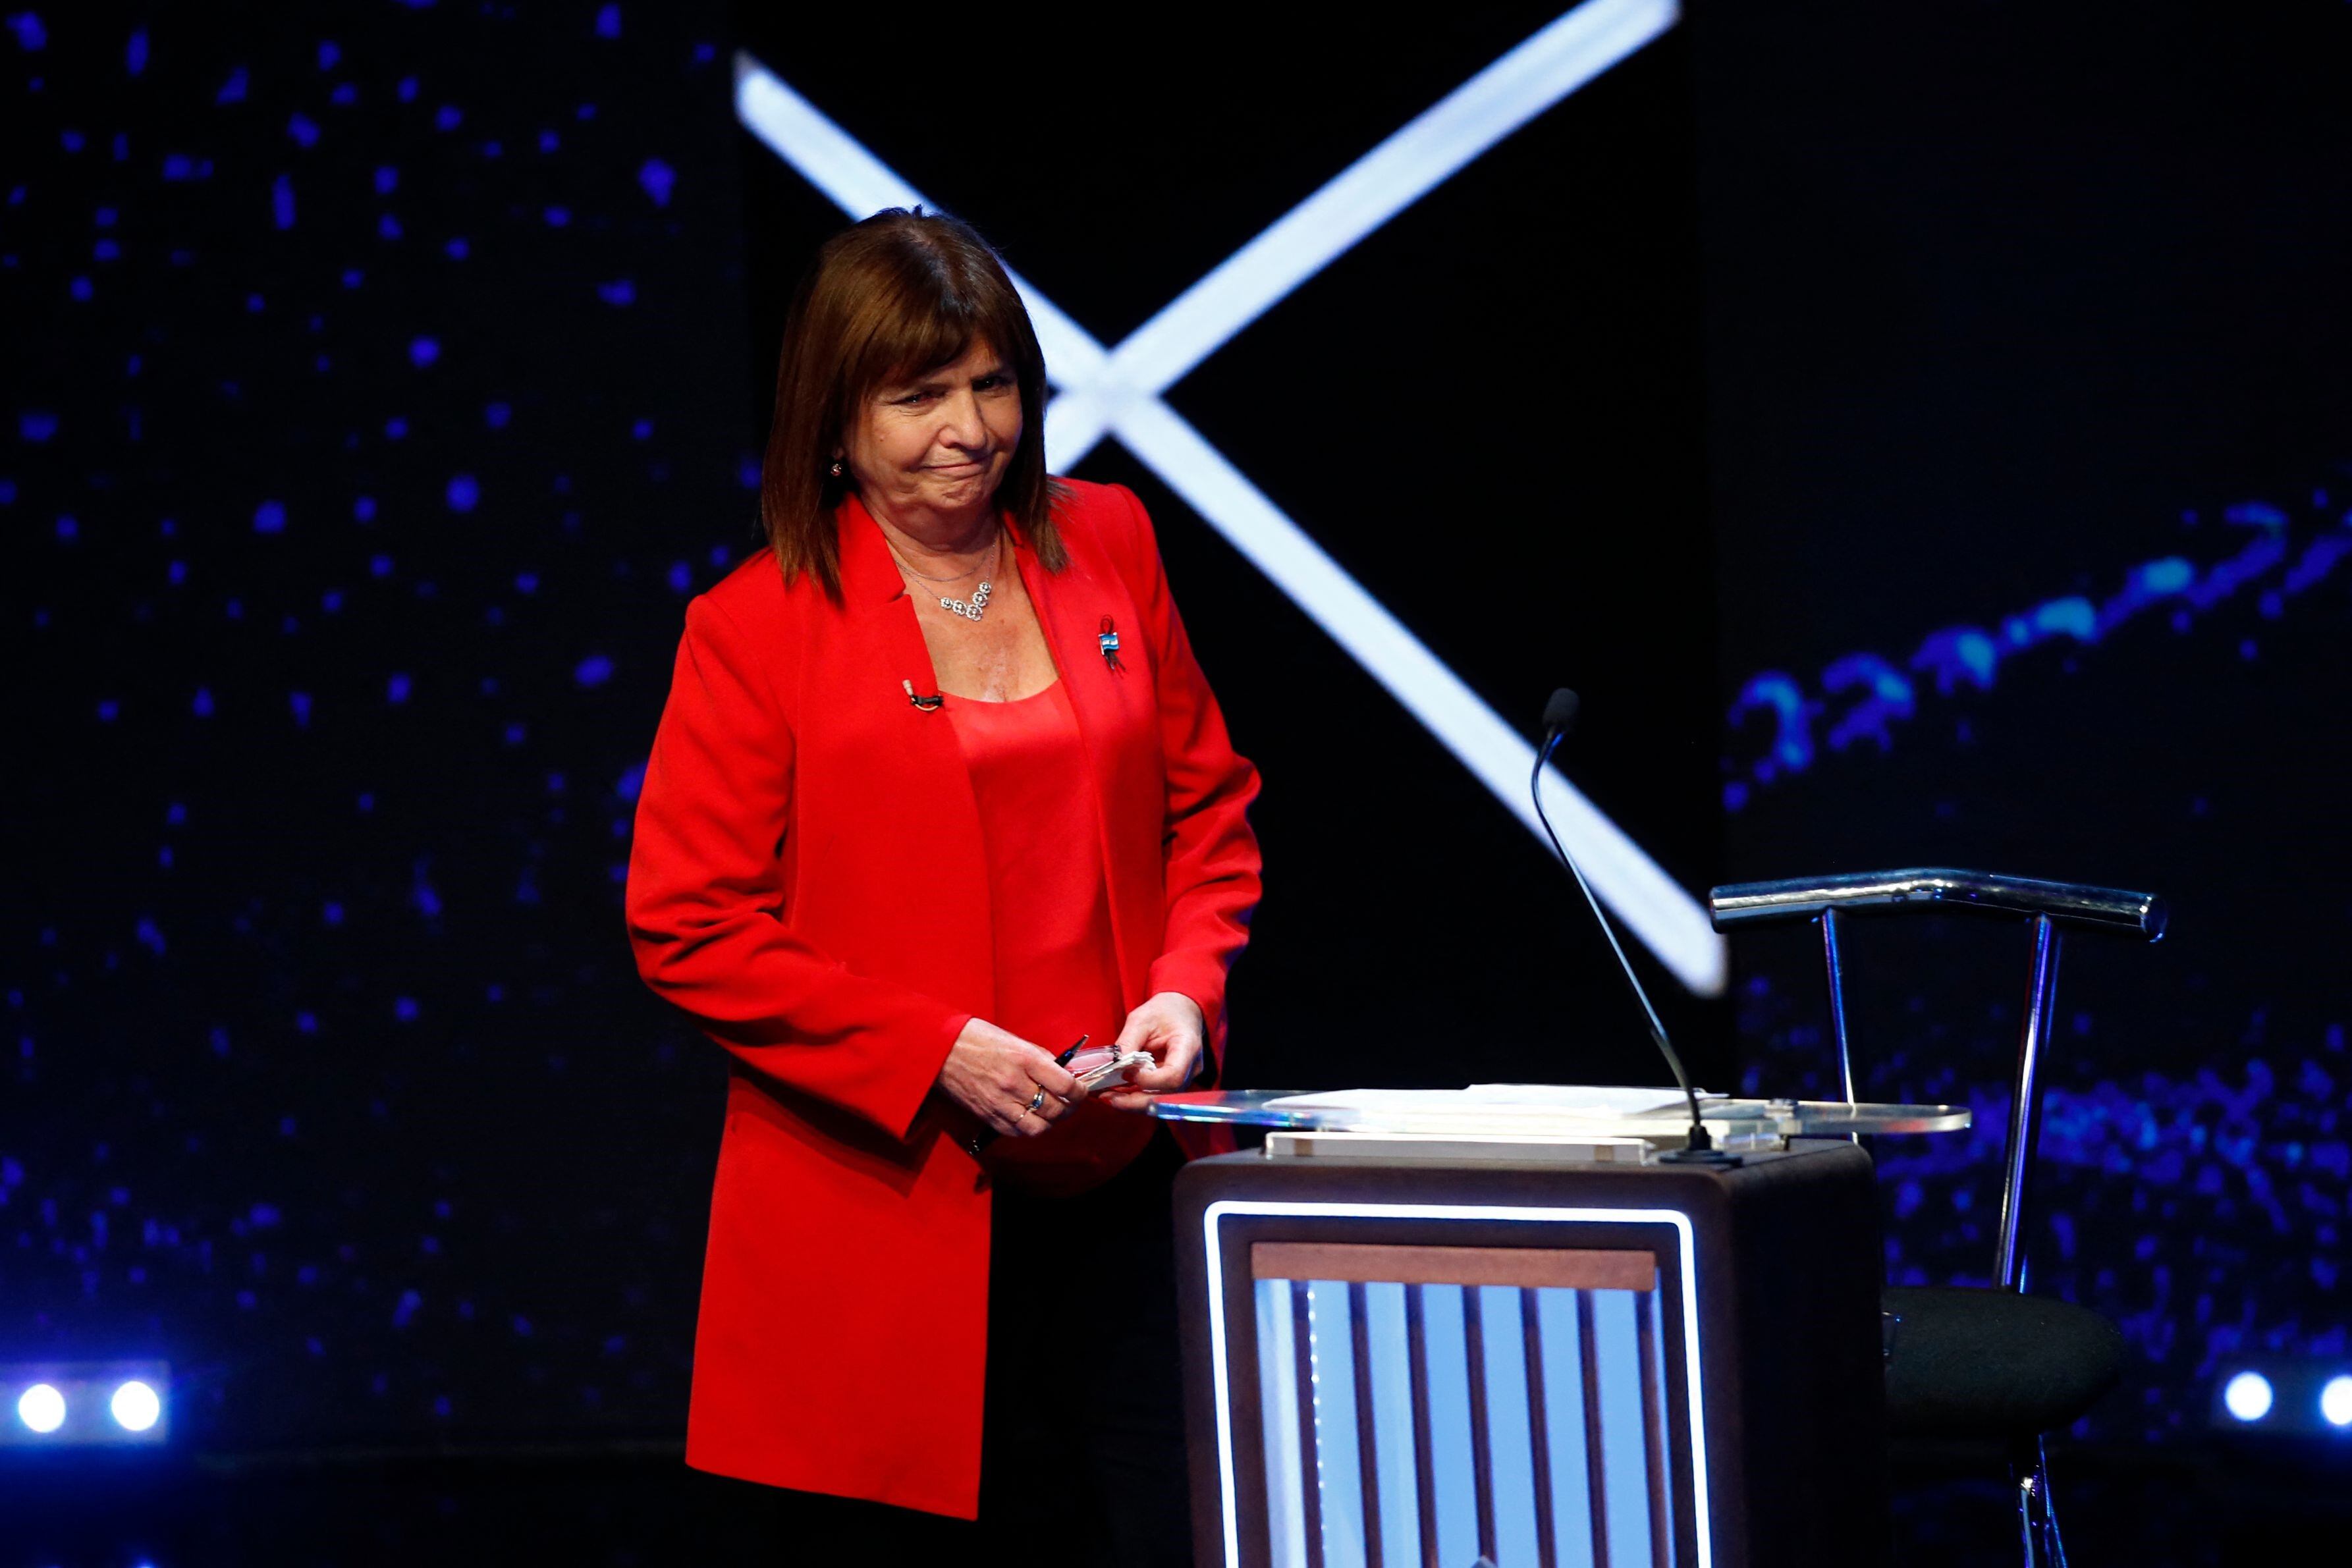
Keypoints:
pixel 1082 1448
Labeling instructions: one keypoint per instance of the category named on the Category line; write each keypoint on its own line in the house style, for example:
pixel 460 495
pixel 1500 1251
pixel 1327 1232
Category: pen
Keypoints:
pixel 988 1135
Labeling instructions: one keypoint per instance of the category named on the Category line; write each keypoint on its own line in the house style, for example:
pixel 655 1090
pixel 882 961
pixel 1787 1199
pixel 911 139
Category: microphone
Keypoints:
pixel 1560 718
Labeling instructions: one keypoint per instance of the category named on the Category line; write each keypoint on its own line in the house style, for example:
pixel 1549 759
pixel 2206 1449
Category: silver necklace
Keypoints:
pixel 971 609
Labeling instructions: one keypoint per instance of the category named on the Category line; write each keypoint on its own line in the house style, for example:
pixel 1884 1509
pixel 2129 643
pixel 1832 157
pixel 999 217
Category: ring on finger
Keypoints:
pixel 1038 1097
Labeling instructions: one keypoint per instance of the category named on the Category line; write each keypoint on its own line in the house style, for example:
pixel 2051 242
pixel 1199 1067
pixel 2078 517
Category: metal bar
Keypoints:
pixel 2111 909
pixel 2037 1517
pixel 1482 1441
pixel 1596 1475
pixel 1367 1465
pixel 1310 1463
pixel 1836 974
pixel 1539 1429
pixel 2025 1105
pixel 1424 1473
pixel 1654 1432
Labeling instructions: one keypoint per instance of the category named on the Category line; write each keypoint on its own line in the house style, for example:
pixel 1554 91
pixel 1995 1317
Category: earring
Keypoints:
pixel 837 467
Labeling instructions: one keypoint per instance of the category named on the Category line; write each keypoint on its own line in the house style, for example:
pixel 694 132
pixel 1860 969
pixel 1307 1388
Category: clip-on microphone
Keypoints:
pixel 1560 718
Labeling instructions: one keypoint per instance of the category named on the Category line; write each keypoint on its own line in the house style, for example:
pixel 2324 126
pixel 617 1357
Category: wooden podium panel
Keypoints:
pixel 1639 1366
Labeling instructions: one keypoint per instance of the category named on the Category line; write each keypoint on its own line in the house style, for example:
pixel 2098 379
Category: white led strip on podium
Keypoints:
pixel 1687 1305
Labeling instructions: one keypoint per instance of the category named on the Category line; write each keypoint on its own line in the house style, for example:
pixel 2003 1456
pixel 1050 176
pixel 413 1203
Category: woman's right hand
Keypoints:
pixel 995 1074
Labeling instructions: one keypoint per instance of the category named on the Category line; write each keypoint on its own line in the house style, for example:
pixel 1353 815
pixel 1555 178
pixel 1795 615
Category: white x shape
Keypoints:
pixel 1118 392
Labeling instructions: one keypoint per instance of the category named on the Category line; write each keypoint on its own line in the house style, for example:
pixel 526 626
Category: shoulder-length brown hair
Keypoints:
pixel 901 293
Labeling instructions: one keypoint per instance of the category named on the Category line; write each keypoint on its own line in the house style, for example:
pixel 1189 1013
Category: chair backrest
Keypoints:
pixel 2047 908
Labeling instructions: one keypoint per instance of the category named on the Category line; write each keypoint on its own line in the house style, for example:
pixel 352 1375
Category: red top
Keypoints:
pixel 1056 964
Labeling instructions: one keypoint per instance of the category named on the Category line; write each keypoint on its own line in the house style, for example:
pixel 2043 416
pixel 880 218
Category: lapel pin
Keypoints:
pixel 1108 639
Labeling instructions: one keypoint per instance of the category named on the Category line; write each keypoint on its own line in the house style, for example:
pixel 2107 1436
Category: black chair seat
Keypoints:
pixel 1964 1363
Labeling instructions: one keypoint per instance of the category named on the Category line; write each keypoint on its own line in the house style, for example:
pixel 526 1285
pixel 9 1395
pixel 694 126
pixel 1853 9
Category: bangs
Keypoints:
pixel 913 329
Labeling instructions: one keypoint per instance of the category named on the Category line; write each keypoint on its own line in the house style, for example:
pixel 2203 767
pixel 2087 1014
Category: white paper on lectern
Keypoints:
pixel 1501 1101
pixel 1613 1100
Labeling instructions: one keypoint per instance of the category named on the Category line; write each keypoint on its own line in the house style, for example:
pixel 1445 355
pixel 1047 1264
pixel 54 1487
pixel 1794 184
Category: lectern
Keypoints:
pixel 1498 1326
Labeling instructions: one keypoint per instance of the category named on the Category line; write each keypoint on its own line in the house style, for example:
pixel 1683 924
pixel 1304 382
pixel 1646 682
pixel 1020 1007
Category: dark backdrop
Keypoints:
pixel 379 388
pixel 374 391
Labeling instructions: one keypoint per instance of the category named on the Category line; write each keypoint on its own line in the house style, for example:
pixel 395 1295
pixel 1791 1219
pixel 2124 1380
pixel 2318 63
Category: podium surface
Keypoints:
pixel 1554 1112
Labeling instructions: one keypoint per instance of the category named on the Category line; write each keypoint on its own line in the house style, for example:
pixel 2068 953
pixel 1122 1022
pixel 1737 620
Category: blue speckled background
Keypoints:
pixel 376 396
pixel 2031 438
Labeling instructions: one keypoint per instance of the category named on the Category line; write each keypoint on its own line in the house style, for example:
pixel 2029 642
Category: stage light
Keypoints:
pixel 86 1404
pixel 2247 1397
pixel 42 1408
pixel 135 1406
pixel 2283 1399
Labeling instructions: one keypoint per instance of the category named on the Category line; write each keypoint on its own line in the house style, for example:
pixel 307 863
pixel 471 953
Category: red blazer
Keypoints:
pixel 808 881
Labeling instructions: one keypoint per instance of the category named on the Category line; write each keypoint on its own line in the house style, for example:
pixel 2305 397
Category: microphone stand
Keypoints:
pixel 1701 1149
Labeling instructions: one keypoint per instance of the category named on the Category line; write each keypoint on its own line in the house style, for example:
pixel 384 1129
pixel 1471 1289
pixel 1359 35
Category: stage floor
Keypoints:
pixel 641 1507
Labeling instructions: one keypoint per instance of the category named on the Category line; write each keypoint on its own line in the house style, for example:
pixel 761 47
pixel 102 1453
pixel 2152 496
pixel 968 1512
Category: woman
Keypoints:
pixel 938 790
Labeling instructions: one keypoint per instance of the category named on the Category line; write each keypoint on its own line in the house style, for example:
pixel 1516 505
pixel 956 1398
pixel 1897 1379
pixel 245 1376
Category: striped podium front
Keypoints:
pixel 1417 1365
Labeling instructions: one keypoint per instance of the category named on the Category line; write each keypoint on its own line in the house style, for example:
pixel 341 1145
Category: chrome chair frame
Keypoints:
pixel 2047 907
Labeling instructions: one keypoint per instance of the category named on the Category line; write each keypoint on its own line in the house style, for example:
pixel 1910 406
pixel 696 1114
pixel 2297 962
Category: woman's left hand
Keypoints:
pixel 1169 1027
